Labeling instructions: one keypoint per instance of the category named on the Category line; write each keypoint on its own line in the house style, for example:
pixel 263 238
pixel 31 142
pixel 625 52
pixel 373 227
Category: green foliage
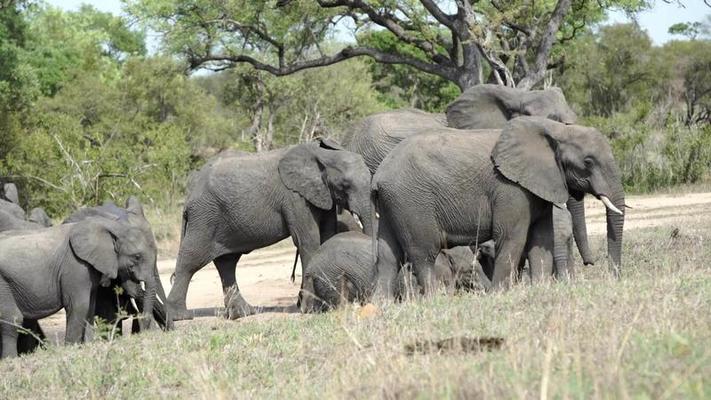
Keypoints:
pixel 652 158
pixel 403 86
pixel 274 112
pixel 94 140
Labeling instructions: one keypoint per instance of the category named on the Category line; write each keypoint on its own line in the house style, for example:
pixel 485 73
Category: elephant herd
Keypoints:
pixel 409 203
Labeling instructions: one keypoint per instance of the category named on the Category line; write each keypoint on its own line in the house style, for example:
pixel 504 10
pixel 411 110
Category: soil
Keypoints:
pixel 263 275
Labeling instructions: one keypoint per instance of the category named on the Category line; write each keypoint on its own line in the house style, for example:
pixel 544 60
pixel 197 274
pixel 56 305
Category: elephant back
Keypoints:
pixel 374 136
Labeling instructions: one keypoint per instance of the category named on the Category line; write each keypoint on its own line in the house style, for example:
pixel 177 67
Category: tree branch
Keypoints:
pixel 546 44
pixel 438 14
pixel 224 61
pixel 388 21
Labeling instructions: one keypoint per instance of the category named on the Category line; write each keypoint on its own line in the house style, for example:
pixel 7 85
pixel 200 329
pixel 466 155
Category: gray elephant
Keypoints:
pixel 442 190
pixel 342 270
pixel 479 107
pixel 241 203
pixel 62 267
pixel 457 269
pixel 110 306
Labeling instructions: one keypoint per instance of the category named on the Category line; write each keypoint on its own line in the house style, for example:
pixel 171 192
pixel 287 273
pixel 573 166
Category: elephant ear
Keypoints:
pixel 133 206
pixel 527 153
pixel 329 144
pixel 11 193
pixel 94 243
pixel 300 171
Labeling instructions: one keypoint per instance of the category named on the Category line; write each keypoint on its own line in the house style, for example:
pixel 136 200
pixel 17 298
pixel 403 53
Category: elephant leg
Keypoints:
pixel 540 249
pixel 29 342
pixel 563 243
pixel 236 306
pixel 510 243
pixel 423 264
pixel 79 312
pixel 189 262
pixel 10 319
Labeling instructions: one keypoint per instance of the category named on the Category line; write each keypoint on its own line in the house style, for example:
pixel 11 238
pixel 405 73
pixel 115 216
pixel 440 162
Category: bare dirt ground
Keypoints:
pixel 263 275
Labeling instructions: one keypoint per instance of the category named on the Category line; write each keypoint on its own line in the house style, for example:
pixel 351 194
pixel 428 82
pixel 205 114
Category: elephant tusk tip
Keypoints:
pixel 606 201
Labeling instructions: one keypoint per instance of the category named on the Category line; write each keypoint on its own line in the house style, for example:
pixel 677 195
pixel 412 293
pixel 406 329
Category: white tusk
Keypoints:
pixel 357 220
pixel 143 285
pixel 609 205
pixel 133 303
pixel 377 215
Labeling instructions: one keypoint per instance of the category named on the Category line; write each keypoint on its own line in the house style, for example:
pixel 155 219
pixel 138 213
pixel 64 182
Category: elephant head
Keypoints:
pixel 133 215
pixel 490 106
pixel 555 161
pixel 326 176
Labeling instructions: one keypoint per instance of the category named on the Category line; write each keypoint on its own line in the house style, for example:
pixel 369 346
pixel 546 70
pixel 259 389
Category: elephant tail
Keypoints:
pixel 293 269
pixel 375 219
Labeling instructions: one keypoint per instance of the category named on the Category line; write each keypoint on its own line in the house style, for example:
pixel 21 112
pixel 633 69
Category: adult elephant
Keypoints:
pixel 111 306
pixel 446 189
pixel 241 203
pixel 44 270
pixel 479 107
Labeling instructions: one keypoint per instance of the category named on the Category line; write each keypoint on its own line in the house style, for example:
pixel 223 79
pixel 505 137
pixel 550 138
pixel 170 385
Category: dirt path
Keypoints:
pixel 263 276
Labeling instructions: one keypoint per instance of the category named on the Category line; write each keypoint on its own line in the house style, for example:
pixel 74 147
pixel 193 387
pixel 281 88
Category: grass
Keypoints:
pixel 644 336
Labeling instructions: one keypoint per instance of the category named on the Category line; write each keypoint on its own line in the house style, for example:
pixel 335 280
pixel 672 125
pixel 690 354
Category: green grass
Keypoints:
pixel 645 336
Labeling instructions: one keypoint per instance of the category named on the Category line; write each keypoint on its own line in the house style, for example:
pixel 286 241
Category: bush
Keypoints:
pixel 654 157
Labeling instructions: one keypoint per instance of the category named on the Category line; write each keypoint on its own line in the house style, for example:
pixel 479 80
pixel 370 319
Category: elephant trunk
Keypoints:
pixel 362 208
pixel 615 224
pixel 160 311
pixel 148 301
pixel 580 231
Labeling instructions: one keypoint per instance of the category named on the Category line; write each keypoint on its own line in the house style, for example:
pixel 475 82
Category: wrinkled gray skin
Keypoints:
pixel 108 303
pixel 241 203
pixel 342 270
pixel 444 189
pixel 10 221
pixel 479 107
pixel 45 270
pixel 12 209
pixel 39 216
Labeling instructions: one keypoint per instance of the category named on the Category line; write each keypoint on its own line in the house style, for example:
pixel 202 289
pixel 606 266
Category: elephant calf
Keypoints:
pixel 45 270
pixel 342 269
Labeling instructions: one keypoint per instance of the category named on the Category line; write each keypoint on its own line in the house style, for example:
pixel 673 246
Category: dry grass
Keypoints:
pixel 644 336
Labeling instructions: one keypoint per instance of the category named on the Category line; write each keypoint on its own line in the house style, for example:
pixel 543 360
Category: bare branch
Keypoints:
pixel 220 62
pixel 41 180
pixel 438 14
pixel 546 44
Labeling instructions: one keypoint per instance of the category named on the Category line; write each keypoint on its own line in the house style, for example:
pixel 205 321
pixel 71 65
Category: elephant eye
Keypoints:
pixel 137 257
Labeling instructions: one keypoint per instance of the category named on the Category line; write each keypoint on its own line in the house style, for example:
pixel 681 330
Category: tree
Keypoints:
pixel 274 111
pixel 457 38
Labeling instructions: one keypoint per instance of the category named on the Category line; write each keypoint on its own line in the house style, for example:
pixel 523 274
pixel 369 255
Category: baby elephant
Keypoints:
pixel 455 269
pixel 44 270
pixel 342 270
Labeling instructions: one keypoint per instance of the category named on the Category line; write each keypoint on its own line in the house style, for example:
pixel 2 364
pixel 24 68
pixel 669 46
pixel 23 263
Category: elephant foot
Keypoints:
pixel 236 311
pixel 179 313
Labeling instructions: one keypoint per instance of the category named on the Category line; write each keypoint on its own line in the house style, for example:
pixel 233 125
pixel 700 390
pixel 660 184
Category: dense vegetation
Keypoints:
pixel 87 113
